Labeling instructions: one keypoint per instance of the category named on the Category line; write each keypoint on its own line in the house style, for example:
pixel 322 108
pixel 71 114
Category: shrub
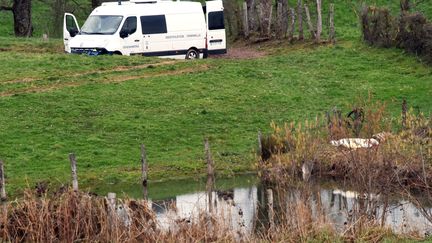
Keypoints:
pixel 410 31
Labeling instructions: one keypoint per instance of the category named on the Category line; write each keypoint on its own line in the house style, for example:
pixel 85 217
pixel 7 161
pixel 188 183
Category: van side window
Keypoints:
pixel 216 20
pixel 155 24
pixel 130 25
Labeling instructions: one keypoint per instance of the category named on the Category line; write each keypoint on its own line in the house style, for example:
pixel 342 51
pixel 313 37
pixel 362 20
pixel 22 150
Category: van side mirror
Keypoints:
pixel 124 33
pixel 73 32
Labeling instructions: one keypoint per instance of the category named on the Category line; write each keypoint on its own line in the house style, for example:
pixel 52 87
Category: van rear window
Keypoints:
pixel 155 24
pixel 216 20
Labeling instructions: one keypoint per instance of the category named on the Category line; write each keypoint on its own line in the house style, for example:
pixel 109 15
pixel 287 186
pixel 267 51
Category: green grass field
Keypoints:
pixel 102 108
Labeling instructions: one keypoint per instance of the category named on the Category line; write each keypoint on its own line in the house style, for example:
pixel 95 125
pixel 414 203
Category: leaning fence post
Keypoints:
pixel 309 21
pixel 2 182
pixel 270 208
pixel 332 35
pixel 74 171
pixel 210 173
pixel 144 168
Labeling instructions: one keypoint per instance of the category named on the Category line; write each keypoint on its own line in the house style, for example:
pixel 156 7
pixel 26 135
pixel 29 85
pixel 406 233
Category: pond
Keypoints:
pixel 242 202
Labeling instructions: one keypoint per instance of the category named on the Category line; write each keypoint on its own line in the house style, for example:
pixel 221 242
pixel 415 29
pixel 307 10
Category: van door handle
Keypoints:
pixel 66 39
pixel 136 40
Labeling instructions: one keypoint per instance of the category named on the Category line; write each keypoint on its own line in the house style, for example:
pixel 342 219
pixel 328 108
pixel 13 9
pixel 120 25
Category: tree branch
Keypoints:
pixel 6 8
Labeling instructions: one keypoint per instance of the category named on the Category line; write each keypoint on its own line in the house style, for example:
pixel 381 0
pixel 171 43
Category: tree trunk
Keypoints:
pixel 300 19
pixel 292 26
pixel 265 16
pixel 309 21
pixel 251 14
pixel 319 22
pixel 21 10
pixel 332 35
pixel 57 10
pixel 22 18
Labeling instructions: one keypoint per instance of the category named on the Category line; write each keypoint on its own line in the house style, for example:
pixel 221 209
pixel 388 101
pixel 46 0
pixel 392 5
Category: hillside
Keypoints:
pixel 102 108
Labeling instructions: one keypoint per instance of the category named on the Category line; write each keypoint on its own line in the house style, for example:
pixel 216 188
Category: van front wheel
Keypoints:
pixel 192 54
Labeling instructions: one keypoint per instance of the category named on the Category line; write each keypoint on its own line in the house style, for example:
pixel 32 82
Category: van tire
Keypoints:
pixel 192 54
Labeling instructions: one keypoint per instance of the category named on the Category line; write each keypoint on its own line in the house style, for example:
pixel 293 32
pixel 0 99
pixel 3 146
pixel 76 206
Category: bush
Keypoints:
pixel 410 31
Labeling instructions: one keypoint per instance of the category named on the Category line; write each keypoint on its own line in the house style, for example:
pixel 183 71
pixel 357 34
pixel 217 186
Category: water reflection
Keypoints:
pixel 245 210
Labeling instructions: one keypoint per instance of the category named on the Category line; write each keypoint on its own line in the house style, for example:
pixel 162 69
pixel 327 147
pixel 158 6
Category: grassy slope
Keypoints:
pixel 228 100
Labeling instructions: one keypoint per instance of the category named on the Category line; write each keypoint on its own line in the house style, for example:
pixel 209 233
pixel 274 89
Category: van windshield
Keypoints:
pixel 101 25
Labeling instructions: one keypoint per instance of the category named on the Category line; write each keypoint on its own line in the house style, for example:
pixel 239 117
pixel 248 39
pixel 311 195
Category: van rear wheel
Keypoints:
pixel 192 54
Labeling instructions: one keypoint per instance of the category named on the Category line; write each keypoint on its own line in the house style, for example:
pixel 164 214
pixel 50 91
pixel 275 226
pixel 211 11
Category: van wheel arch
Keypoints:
pixel 117 53
pixel 192 53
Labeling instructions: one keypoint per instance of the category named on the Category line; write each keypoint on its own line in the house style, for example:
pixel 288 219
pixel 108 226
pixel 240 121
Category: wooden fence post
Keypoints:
pixel 245 20
pixel 332 35
pixel 319 21
pixel 292 25
pixel 210 174
pixel 74 172
pixel 144 169
pixel 300 19
pixel 2 182
pixel 404 113
pixel 270 209
pixel 260 149
pixel 112 216
pixel 309 21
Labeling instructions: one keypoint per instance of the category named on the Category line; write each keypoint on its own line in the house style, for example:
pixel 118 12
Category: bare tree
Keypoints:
pixel 266 7
pixel 300 18
pixel 21 10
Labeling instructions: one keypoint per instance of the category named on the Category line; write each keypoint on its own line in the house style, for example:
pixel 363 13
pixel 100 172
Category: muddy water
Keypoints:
pixel 242 202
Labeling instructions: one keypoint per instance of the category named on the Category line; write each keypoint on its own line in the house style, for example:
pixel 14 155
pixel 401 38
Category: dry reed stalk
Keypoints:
pixel 404 157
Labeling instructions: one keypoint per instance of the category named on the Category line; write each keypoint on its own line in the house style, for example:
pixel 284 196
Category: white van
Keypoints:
pixel 180 29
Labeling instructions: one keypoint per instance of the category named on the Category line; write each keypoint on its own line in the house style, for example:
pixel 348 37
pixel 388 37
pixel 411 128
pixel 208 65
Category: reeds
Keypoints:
pixel 402 158
pixel 73 216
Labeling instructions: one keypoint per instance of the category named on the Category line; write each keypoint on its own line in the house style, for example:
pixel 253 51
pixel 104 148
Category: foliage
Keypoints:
pixel 410 31
pixel 403 157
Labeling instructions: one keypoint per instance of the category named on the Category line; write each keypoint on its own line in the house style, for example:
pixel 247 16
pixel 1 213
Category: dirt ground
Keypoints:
pixel 241 52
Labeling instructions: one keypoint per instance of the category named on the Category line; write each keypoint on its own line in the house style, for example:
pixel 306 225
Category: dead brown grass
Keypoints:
pixel 404 158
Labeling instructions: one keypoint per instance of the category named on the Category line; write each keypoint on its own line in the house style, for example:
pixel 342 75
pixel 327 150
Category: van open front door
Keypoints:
pixel 70 29
pixel 216 38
